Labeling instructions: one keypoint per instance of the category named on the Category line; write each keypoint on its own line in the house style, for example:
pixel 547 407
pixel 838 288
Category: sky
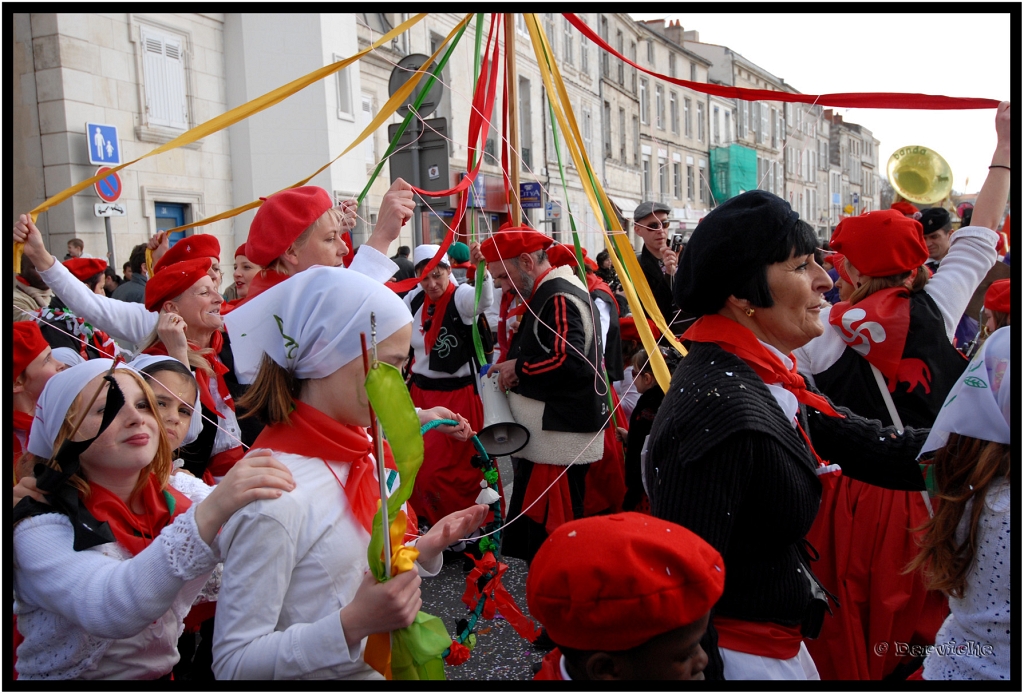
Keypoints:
pixel 954 54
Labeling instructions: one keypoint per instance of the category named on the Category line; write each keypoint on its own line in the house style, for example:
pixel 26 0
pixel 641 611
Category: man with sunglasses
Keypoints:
pixel 658 260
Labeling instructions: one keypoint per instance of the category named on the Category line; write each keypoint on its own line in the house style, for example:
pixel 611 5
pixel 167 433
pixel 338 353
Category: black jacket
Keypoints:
pixel 661 288
pixel 724 462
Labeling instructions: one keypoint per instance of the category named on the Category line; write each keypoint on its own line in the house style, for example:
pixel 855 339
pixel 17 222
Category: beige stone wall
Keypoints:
pixel 87 67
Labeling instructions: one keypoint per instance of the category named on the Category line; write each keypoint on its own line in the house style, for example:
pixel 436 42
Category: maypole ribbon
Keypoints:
pixel 638 293
pixel 894 100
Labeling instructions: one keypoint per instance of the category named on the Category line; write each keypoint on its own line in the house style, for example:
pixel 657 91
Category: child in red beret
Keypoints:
pixel 997 306
pixel 625 597
pixel 33 367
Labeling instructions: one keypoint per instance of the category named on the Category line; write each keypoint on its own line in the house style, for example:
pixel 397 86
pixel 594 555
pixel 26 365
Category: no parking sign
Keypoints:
pixel 109 188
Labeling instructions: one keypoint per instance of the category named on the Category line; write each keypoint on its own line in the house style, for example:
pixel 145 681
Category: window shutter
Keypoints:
pixel 164 68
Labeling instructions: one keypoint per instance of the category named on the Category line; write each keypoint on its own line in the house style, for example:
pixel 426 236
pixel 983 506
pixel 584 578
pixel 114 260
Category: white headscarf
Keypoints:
pixel 66 356
pixel 427 251
pixel 310 323
pixel 979 404
pixel 56 399
pixel 195 424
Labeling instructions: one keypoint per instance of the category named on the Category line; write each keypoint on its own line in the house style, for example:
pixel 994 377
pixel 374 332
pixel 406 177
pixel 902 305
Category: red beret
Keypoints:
pixel 627 329
pixel 513 242
pixel 84 268
pixel 881 243
pixel 997 298
pixel 589 262
pixel 195 246
pixel 839 263
pixel 29 343
pixel 172 280
pixel 240 251
pixel 281 219
pixel 611 583
pixel 904 208
pixel 564 254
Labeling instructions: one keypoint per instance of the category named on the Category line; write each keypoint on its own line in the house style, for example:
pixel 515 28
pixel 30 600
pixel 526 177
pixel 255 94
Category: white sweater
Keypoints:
pixel 290 565
pixel 972 253
pixel 101 613
pixel 133 323
pixel 974 641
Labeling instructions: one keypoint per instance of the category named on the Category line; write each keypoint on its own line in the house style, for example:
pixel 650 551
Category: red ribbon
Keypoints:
pixel 897 100
pixel 497 596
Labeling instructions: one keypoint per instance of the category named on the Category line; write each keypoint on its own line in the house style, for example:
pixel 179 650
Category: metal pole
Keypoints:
pixel 513 122
pixel 417 217
pixel 110 244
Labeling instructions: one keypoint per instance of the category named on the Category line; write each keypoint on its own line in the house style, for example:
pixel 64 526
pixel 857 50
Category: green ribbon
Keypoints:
pixel 415 650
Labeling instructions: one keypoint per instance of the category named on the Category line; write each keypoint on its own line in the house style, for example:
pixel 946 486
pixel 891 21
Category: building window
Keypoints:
pixel 689 182
pixel 671 64
pixel 549 28
pixel 717 128
pixel 650 52
pixel 663 178
pixel 163 62
pixel 606 130
pixel 677 180
pixel 646 179
pixel 687 127
pixel 568 52
pixel 621 64
pixel 703 182
pixel 693 72
pixel 741 124
pixel 605 57
pixel 775 129
pixel 673 112
pixel 700 121
pixel 584 50
pixel 588 130
pixel 344 87
pixel 636 141
pixel 823 155
pixel 659 104
pixel 728 126
pixel 525 124
pixel 645 116
pixel 371 142
pixel 632 72
pixel 764 123
pixel 622 136
pixel 521 25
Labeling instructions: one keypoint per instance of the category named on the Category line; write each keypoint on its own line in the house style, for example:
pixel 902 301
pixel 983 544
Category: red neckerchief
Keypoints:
pixel 22 280
pixel 313 434
pixel 551 666
pixel 264 280
pixel 351 255
pixel 596 284
pixel 22 422
pixel 135 531
pixel 876 328
pixel 435 318
pixel 521 308
pixel 735 339
pixel 766 639
pixel 205 396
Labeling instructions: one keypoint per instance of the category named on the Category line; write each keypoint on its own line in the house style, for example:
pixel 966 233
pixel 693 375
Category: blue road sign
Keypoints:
pixel 104 147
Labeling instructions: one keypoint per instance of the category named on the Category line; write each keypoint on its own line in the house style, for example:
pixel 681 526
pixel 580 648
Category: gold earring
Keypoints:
pixel 749 312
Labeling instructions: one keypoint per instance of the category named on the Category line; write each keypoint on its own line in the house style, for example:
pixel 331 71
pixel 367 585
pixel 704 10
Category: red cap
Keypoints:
pixel 997 298
pixel 589 262
pixel 29 343
pixel 84 268
pixel 512 243
pixel 195 246
pixel 240 251
pixel 172 280
pixel 281 219
pixel 627 329
pixel 881 243
pixel 611 583
pixel 839 263
pixel 904 208
pixel 564 254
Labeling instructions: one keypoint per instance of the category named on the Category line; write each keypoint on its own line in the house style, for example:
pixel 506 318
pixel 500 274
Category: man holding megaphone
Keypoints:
pixel 554 383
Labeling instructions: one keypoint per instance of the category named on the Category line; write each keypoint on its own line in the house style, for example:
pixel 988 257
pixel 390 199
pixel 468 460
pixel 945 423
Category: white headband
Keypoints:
pixel 56 399
pixel 427 251
pixel 310 323
pixel 979 404
pixel 195 425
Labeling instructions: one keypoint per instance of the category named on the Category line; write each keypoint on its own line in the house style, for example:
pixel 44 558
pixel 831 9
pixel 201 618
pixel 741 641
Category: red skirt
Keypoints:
pixel 606 478
pixel 863 534
pixel 447 481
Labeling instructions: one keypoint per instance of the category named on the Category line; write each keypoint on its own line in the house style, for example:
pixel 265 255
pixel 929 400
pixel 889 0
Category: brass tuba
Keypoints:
pixel 919 175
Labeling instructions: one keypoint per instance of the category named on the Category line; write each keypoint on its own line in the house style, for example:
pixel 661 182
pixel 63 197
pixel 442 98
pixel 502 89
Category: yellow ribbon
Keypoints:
pixel 149 262
pixel 226 119
pixel 399 98
pixel 638 295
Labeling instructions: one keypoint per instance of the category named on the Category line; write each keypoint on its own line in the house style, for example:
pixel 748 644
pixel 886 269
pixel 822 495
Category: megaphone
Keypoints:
pixel 500 435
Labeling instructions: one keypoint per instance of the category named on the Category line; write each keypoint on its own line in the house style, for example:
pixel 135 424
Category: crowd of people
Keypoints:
pixel 821 492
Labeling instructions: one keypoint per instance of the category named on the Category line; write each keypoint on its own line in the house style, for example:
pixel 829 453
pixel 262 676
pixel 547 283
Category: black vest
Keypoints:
pixel 612 350
pixel 578 408
pixel 453 347
pixel 929 368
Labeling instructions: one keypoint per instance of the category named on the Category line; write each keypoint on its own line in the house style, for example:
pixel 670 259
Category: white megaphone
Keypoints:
pixel 500 435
